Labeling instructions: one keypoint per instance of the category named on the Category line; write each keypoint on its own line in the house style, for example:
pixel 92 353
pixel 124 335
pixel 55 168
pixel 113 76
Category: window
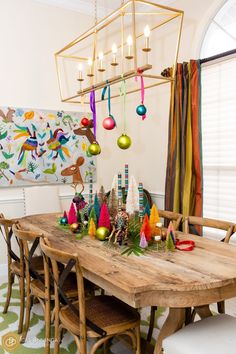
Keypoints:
pixel 219 117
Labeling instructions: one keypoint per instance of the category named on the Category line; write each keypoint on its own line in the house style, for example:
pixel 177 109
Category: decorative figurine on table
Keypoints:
pixel 82 206
pixel 120 228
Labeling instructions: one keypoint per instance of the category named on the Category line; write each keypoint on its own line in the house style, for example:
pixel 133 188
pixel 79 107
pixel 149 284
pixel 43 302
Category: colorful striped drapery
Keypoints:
pixel 183 190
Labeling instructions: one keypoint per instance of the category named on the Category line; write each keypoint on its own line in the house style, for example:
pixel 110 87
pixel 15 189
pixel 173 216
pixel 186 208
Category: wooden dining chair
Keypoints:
pixel 212 335
pixel 168 216
pixel 194 225
pixel 177 220
pixel 13 268
pixel 100 317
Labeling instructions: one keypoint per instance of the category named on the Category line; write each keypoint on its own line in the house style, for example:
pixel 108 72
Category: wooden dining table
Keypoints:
pixel 177 280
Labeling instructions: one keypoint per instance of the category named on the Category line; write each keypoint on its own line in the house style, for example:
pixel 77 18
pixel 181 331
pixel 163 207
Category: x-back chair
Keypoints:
pixel 194 225
pixel 100 317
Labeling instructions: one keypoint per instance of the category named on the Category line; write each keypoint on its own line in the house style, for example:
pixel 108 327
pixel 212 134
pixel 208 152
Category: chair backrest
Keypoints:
pixel 41 199
pixel 168 216
pixel 25 239
pixel 192 222
pixel 55 256
pixel 6 229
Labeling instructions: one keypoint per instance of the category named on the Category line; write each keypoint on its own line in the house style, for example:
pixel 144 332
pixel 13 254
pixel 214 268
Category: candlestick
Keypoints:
pixel 126 178
pixel 90 64
pixel 90 188
pixel 119 190
pixel 100 57
pixel 147 35
pixel 80 69
pixel 140 190
pixel 129 43
pixel 114 52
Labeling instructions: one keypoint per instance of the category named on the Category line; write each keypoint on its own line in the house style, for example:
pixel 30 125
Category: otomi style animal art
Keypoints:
pixel 30 144
pixel 56 143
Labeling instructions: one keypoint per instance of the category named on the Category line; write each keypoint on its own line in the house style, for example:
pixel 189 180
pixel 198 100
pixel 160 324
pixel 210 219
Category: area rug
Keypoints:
pixel 35 338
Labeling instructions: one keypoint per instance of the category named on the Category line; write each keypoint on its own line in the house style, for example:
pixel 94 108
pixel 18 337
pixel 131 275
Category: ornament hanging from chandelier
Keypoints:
pixel 130 40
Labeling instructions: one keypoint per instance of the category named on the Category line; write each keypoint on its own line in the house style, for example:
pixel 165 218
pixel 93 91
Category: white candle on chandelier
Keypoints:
pixel 90 63
pixel 146 35
pixel 129 43
pixel 100 57
pixel 80 69
pixel 114 52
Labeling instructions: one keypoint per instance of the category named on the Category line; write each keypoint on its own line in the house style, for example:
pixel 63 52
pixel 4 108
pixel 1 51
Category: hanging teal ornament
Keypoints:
pixel 141 110
pixel 108 123
pixel 94 148
pixel 124 141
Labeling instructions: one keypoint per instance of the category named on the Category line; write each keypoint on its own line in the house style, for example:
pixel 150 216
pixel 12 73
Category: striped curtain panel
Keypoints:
pixel 183 189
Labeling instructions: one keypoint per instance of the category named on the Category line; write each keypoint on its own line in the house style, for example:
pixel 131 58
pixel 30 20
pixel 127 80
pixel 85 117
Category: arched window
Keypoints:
pixel 219 115
pixel 221 34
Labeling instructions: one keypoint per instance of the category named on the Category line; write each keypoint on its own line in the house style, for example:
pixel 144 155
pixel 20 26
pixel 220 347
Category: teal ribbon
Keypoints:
pixel 105 89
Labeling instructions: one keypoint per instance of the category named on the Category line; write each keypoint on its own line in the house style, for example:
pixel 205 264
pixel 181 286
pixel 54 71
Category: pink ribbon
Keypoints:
pixel 140 72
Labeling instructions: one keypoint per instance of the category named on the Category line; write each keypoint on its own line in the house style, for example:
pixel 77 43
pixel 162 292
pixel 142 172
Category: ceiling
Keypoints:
pixel 87 6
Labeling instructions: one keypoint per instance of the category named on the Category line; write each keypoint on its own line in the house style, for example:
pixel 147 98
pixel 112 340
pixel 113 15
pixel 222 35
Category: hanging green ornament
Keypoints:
pixel 94 148
pixel 124 142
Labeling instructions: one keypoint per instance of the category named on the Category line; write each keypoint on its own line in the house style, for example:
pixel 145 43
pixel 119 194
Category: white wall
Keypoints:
pixel 30 34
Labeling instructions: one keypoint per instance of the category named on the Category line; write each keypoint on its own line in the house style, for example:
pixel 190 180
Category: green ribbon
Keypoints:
pixel 123 91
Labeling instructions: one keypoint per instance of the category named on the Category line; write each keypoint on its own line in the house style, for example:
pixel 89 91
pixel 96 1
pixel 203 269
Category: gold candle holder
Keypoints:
pixel 147 35
pixel 114 52
pixel 129 43
pixel 100 57
pixel 80 69
pixel 90 64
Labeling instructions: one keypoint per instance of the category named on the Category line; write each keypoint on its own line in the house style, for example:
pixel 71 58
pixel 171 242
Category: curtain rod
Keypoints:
pixel 218 56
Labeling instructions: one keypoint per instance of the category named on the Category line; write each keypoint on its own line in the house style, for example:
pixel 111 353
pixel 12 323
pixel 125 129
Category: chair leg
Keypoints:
pixel 22 304
pixel 221 307
pixel 98 344
pixel 188 315
pixel 138 340
pixel 58 334
pixel 47 317
pixel 11 278
pixel 151 323
pixel 27 317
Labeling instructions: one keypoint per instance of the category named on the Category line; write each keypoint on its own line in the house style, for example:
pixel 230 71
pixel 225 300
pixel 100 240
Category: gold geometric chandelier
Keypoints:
pixel 131 40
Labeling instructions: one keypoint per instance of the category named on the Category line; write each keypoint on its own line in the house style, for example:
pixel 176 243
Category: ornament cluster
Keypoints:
pixel 119 217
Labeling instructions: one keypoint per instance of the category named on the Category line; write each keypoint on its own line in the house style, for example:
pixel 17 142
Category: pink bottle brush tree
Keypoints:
pixel 104 218
pixel 72 215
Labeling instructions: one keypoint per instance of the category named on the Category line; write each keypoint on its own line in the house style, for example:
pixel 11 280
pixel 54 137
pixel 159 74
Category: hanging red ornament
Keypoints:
pixel 85 121
pixel 108 123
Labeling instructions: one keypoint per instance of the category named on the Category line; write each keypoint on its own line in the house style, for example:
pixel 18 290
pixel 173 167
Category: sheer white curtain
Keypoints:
pixel 219 138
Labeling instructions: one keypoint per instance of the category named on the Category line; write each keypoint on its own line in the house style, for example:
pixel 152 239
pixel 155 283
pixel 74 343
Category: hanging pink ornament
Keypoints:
pixel 109 123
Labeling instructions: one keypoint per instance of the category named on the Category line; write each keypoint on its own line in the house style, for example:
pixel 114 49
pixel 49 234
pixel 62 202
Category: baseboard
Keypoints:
pixel 3 270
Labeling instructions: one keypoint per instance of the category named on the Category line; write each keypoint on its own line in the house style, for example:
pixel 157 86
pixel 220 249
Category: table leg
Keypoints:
pixel 173 323
pixel 203 311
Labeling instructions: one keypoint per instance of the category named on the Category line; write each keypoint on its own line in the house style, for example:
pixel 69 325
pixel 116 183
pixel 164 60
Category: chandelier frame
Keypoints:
pixel 80 96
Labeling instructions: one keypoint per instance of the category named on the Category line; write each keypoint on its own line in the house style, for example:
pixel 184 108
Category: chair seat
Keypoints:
pixel 212 335
pixel 69 287
pixel 107 312
pixel 36 264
